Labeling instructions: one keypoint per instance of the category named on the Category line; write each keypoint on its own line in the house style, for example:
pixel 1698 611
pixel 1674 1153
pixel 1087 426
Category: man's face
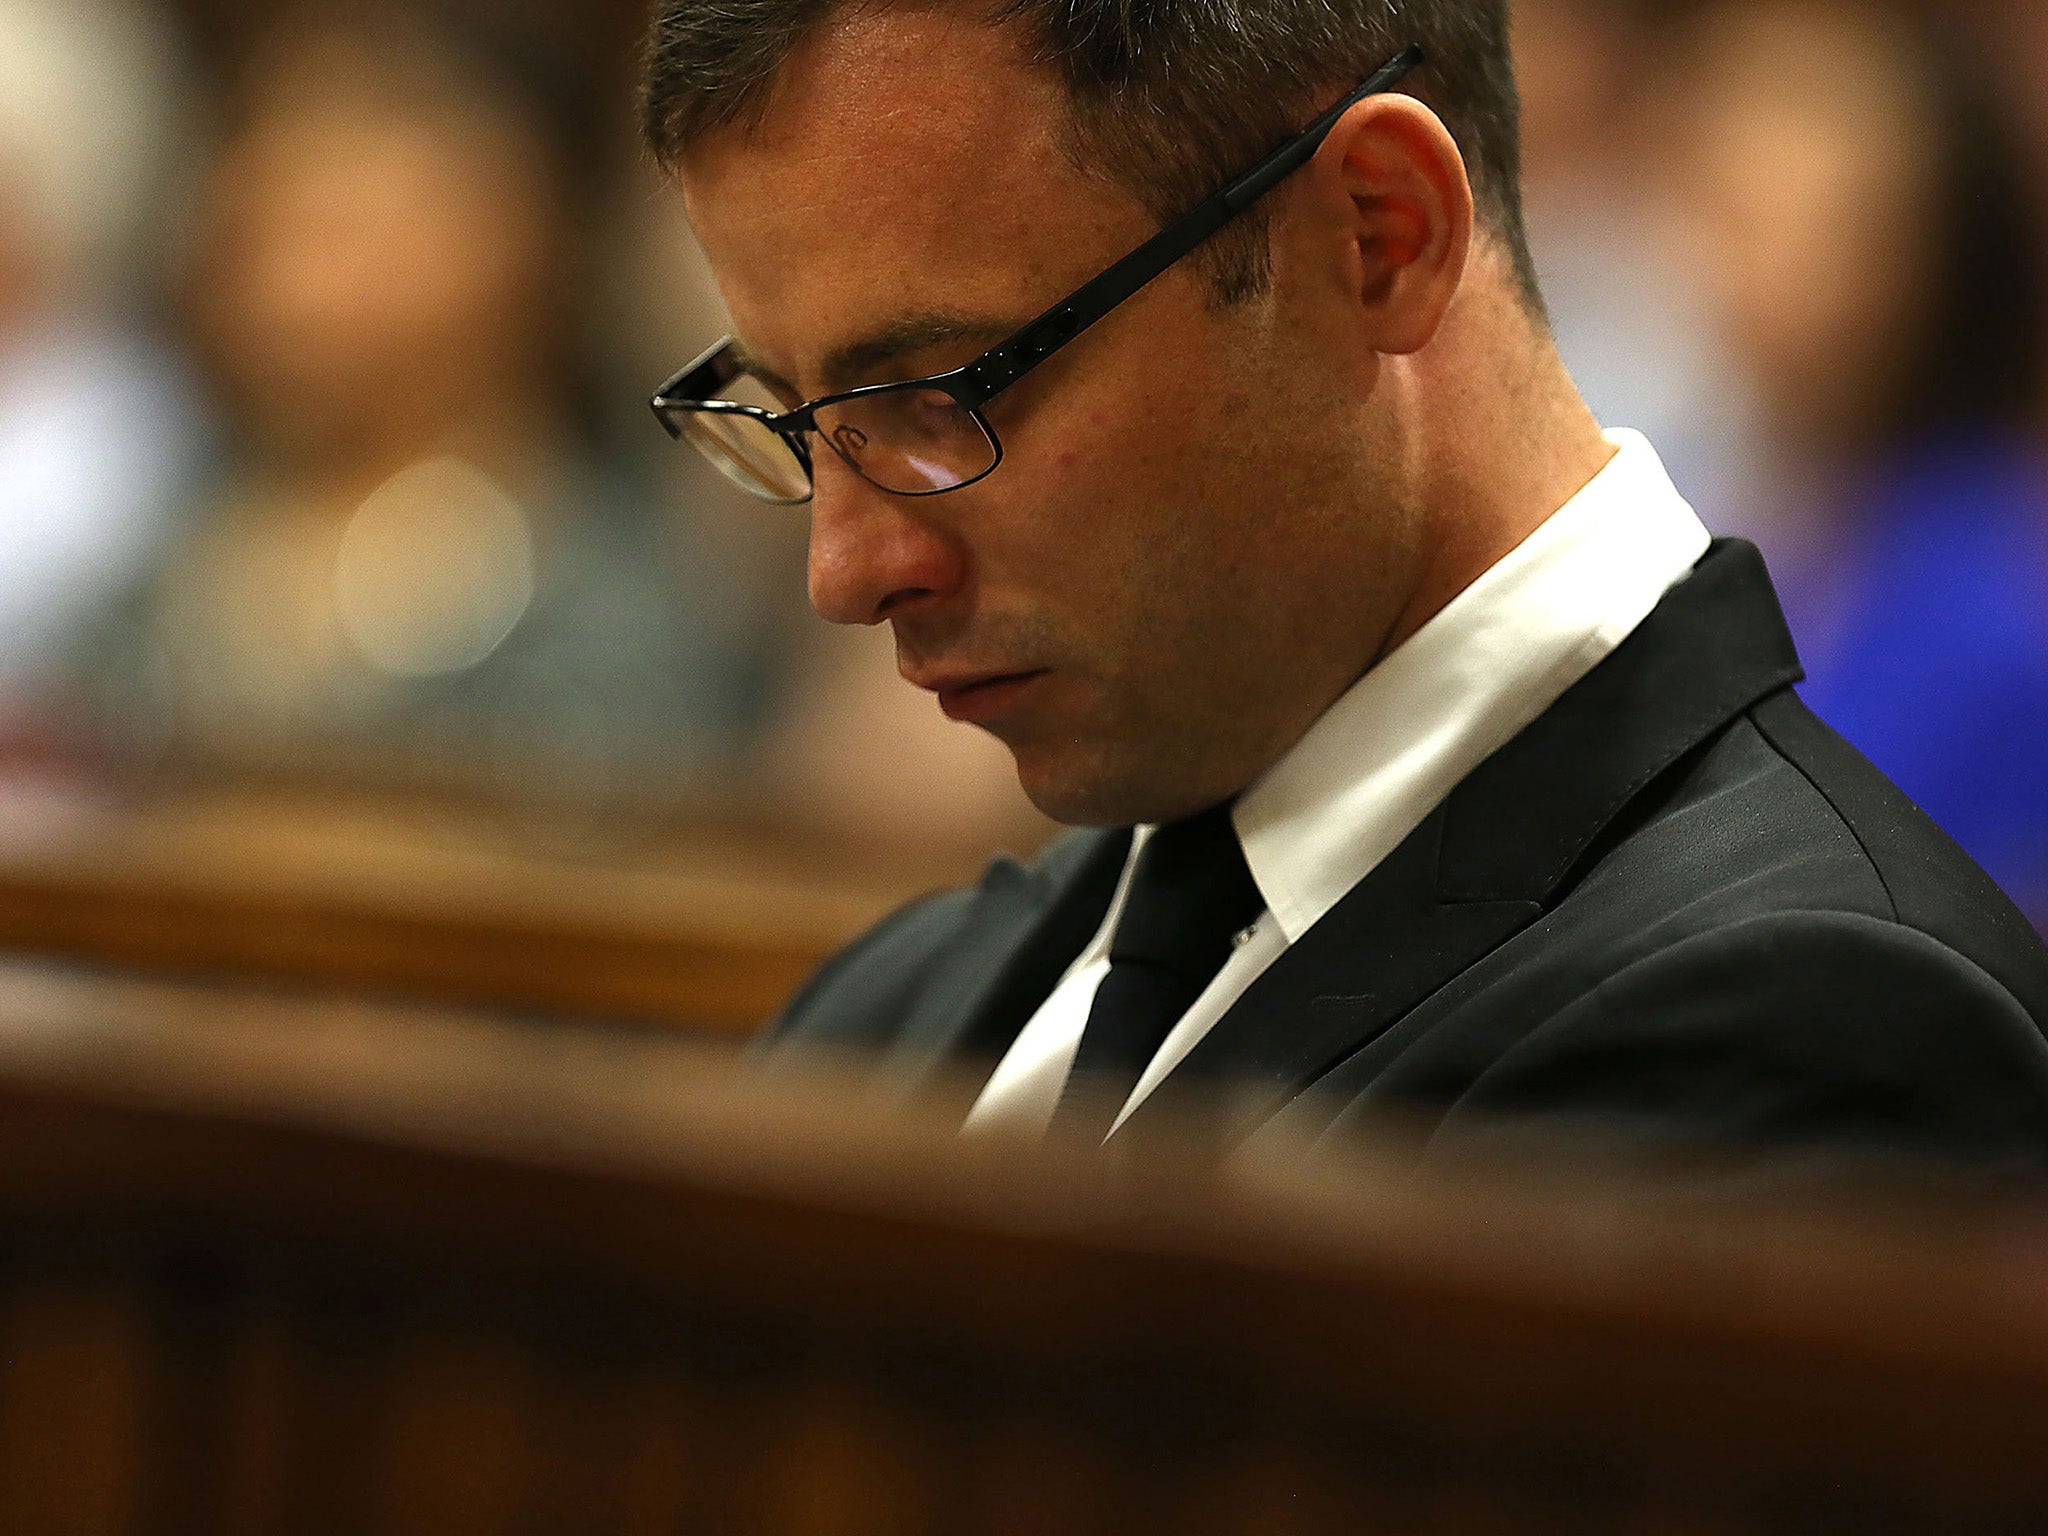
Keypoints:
pixel 1168 578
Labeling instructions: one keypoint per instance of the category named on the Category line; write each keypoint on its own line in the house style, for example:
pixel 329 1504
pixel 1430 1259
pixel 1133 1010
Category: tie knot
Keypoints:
pixel 1191 892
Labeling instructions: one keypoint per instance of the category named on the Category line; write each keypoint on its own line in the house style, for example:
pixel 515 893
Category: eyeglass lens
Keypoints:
pixel 751 453
pixel 908 440
pixel 911 441
pixel 748 450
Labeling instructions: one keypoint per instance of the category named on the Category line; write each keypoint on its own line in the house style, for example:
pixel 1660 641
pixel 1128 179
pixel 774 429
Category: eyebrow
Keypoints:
pixel 855 362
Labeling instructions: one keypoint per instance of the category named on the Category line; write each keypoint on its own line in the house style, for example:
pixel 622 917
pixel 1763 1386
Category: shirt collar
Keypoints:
pixel 1497 656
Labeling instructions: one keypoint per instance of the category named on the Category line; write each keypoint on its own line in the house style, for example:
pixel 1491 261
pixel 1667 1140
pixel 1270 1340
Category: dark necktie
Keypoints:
pixel 1190 895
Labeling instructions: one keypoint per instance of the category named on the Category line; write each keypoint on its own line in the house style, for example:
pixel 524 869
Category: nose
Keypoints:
pixel 875 556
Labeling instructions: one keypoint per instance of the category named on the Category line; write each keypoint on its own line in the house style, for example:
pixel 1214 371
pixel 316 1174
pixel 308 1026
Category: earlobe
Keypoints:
pixel 1392 177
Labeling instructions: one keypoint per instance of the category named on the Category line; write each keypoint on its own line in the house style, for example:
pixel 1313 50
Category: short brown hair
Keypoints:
pixel 1170 97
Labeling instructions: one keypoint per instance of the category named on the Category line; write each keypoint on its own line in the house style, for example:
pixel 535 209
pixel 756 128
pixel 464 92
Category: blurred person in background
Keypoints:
pixel 1863 223
pixel 1630 322
pixel 2013 36
pixel 98 422
pixel 410 567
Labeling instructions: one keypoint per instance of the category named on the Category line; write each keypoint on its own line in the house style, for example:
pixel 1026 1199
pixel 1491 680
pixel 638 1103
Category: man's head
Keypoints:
pixel 1167 99
pixel 1216 508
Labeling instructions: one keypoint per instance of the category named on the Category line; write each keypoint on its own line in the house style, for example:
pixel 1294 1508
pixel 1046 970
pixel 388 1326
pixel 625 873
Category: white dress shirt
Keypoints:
pixel 1391 749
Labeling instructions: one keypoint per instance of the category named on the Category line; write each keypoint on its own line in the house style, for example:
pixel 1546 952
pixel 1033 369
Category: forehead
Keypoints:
pixel 906 162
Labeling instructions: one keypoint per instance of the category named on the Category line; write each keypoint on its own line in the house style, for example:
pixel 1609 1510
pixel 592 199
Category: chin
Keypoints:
pixel 1066 782
pixel 1092 789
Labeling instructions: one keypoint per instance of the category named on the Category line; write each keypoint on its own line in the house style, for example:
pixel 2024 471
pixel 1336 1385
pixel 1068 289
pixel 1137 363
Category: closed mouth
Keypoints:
pixel 981 700
pixel 981 684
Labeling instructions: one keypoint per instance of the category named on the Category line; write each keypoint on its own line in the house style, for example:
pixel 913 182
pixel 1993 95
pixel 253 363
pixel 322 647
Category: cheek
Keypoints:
pixel 1147 387
pixel 1141 467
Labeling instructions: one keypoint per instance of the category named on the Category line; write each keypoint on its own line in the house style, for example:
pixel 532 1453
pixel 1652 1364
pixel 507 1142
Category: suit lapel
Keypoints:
pixel 1384 948
pixel 1025 928
pixel 1493 857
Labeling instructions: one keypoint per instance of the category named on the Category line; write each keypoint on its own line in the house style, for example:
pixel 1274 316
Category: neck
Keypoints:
pixel 1490 460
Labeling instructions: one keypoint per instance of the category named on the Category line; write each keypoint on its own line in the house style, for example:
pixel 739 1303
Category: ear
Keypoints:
pixel 1391 192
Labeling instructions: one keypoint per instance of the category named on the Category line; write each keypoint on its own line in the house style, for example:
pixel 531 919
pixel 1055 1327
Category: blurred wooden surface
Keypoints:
pixel 300 1268
pixel 708 932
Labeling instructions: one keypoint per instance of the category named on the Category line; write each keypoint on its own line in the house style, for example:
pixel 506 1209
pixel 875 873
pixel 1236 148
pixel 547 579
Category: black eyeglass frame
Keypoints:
pixel 973 385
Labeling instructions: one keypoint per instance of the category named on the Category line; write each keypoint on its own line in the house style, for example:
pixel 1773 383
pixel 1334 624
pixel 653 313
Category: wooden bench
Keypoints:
pixel 297 1267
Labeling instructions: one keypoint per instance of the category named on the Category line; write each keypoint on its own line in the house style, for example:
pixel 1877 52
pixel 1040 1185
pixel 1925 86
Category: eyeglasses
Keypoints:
pixel 922 437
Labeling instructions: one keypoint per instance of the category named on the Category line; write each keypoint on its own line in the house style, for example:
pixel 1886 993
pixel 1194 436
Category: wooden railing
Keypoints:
pixel 337 1267
pixel 705 931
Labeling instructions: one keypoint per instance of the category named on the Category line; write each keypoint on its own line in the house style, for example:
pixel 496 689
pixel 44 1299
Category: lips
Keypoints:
pixel 979 697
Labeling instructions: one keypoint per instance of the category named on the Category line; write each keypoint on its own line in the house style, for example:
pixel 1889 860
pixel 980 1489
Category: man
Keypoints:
pixel 1467 778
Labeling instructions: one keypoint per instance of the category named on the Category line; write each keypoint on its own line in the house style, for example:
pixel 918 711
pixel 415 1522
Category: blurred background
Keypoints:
pixel 326 478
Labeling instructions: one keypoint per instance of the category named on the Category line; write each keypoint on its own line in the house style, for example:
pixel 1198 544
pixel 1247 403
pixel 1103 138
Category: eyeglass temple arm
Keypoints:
pixel 1010 359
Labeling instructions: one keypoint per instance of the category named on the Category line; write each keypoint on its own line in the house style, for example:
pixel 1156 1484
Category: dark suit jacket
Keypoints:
pixel 1676 905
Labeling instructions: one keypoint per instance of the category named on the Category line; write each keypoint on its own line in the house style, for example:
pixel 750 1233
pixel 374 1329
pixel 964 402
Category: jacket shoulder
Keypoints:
pixel 1928 883
pixel 1771 945
pixel 861 998
pixel 1831 1029
pixel 1777 816
pixel 852 998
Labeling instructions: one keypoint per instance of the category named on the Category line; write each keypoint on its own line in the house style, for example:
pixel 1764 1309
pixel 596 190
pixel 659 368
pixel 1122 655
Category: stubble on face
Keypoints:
pixel 1231 583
